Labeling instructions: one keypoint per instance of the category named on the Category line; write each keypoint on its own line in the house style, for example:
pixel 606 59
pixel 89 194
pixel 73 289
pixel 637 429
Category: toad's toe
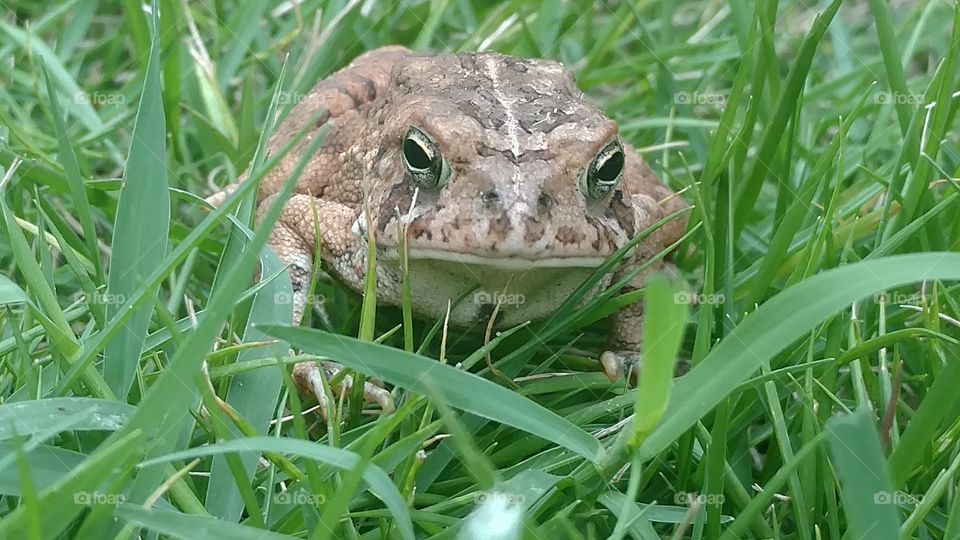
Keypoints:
pixel 307 377
pixel 619 364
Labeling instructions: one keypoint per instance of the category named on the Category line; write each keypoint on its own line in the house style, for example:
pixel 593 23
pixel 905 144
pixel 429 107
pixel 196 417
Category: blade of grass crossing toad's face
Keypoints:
pixel 565 315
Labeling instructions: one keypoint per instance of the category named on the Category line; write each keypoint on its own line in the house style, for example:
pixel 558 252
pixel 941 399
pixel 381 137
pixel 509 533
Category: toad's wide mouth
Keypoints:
pixel 498 261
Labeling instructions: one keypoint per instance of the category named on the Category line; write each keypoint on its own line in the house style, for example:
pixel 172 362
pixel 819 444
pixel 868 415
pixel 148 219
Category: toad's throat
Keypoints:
pixel 472 287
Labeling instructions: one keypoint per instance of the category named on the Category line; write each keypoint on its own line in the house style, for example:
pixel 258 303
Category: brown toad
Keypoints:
pixel 507 181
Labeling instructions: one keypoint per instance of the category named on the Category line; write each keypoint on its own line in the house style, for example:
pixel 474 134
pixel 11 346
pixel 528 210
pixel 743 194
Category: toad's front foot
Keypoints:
pixel 308 379
pixel 620 364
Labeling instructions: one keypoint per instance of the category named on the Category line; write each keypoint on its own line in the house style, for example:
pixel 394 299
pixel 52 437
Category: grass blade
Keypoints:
pixel 380 483
pixel 661 342
pixel 787 103
pixel 187 527
pixel 140 232
pixel 24 418
pixel 865 486
pixel 64 500
pixel 462 390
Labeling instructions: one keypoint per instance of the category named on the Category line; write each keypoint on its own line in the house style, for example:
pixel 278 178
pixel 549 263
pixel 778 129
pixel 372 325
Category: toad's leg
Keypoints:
pixel 294 239
pixel 650 202
pixel 624 352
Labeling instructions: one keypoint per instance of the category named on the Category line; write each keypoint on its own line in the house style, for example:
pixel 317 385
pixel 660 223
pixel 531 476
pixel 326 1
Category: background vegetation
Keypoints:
pixel 144 394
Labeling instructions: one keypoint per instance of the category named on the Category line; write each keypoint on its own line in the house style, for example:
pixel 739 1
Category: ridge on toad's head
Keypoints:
pixel 508 161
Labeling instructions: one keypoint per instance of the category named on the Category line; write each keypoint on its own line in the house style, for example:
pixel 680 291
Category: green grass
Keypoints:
pixel 145 385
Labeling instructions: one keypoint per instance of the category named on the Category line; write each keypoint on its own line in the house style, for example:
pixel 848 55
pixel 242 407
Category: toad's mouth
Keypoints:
pixel 503 262
pixel 506 256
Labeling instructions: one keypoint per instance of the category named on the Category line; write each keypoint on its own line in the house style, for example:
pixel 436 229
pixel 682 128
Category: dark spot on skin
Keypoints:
pixel 604 239
pixel 568 235
pixel 603 242
pixel 491 199
pixel 299 277
pixel 484 312
pixel 547 121
pixel 543 203
pixel 485 113
pixel 324 117
pixel 346 90
pixel 526 155
pixel 400 196
pixel 500 226
pixel 621 211
pixel 419 229
pixel 468 61
pixel 517 67
pixel 534 230
pixel 370 87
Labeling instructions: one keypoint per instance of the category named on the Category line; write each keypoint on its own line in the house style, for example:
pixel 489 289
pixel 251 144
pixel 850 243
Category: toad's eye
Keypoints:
pixel 604 172
pixel 425 165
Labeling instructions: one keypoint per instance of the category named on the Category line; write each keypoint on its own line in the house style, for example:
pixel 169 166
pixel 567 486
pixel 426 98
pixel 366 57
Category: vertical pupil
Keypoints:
pixel 415 154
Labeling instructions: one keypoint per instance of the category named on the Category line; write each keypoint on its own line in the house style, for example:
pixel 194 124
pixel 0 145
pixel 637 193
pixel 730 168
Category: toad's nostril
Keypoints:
pixel 544 202
pixel 491 198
